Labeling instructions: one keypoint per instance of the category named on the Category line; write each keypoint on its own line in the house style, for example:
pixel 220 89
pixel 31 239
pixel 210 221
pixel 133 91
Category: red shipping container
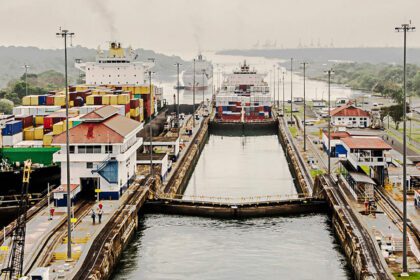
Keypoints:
pixel 72 95
pixel 48 122
pixel 50 100
pixel 97 100
pixel 27 121
pixel 134 103
pixel 127 108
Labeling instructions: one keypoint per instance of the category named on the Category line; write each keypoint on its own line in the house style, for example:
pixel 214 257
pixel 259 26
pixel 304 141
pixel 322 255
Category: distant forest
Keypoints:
pixel 40 60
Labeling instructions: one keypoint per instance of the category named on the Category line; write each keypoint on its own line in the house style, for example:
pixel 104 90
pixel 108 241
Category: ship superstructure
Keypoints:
pixel 203 74
pixel 244 96
pixel 117 66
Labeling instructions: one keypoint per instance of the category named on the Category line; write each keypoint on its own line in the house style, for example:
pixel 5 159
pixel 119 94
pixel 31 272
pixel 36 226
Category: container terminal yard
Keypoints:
pixel 84 164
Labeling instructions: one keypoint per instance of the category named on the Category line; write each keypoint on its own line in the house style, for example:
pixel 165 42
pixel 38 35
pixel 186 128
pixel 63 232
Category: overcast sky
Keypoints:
pixel 182 26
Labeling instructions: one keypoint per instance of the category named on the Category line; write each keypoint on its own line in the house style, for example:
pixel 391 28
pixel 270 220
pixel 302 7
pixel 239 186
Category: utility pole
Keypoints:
pixel 204 73
pixel 26 78
pixel 329 72
pixel 150 123
pixel 64 34
pixel 291 91
pixel 274 83
pixel 193 113
pixel 177 88
pixel 304 105
pixel 278 87
pixel 405 28
pixel 284 112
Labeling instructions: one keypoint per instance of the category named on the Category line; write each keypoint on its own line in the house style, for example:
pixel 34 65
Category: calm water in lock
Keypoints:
pixel 175 247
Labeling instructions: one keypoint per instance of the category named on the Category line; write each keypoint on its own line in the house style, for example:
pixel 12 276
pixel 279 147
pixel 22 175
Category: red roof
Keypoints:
pixel 337 135
pixel 349 111
pixel 112 130
pixel 366 143
pixel 63 188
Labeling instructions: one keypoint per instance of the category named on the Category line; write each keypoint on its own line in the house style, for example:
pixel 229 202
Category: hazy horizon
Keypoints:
pixel 178 26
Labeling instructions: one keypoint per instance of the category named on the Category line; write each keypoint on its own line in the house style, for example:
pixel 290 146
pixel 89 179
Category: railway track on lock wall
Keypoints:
pixel 93 256
pixel 32 212
pixel 395 214
pixel 367 244
pixel 43 255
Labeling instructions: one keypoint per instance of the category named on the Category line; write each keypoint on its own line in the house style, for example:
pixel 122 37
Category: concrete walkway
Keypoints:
pixel 37 233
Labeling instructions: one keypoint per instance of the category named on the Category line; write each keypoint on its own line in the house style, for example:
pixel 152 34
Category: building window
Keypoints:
pixel 89 165
pixel 108 149
pixel 71 149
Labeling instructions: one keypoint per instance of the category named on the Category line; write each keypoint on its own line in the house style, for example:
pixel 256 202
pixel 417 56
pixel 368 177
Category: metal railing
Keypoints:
pixel 230 199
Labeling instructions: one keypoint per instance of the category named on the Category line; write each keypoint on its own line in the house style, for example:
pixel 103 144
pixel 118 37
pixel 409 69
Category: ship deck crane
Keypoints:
pixel 14 267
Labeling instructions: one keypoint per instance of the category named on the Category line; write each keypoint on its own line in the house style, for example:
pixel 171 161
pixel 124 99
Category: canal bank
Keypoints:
pixel 359 246
pixel 235 164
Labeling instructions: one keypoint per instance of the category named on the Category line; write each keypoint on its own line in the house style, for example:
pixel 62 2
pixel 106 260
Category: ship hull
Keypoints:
pixel 11 181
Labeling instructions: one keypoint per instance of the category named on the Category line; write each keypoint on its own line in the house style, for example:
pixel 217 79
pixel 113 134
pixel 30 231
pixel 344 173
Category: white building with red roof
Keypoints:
pixel 350 116
pixel 103 152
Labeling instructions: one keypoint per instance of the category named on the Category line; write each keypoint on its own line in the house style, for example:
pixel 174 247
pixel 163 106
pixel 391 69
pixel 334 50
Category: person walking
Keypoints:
pixel 51 213
pixel 93 215
pixel 100 212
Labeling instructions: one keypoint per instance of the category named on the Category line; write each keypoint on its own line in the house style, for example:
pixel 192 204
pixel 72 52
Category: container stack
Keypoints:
pixel 12 133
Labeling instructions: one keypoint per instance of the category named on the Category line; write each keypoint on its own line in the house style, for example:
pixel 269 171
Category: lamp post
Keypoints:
pixel 67 34
pixel 203 71
pixel 177 89
pixel 291 91
pixel 193 113
pixel 405 28
pixel 329 72
pixel 304 105
pixel 278 87
pixel 26 78
pixel 150 123
pixel 274 83
pixel 284 113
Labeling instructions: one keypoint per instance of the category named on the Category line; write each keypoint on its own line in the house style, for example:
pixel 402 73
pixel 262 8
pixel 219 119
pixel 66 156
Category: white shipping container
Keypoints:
pixel 35 110
pixel 29 143
pixel 10 140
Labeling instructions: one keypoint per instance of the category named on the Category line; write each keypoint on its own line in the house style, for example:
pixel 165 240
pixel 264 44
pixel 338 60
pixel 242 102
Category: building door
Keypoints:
pixel 88 186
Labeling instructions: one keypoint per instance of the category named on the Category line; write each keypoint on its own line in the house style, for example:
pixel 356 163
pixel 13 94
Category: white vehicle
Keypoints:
pixel 206 113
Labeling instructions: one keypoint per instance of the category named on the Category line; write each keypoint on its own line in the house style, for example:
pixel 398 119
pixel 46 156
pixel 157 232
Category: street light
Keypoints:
pixel 405 28
pixel 274 83
pixel 204 73
pixel 150 121
pixel 177 88
pixel 64 34
pixel 304 105
pixel 278 87
pixel 193 113
pixel 26 78
pixel 284 114
pixel 291 91
pixel 329 72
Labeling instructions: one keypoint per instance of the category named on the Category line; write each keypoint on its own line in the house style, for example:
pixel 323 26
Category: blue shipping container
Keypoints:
pixel 42 100
pixel 12 128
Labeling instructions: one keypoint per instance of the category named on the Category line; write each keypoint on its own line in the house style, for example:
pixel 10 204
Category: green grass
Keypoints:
pixel 399 139
pixel 316 172
pixel 293 131
pixel 413 276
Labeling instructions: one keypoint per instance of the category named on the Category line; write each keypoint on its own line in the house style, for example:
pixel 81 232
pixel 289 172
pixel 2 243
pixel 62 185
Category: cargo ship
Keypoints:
pixel 244 97
pixel 203 74
pixel 116 78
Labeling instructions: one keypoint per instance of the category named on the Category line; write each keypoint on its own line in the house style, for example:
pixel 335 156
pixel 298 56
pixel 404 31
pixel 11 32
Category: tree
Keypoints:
pixel 396 113
pixel 12 97
pixel 6 106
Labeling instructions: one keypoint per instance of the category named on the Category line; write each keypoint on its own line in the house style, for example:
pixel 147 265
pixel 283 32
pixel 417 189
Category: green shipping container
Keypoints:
pixel 42 155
